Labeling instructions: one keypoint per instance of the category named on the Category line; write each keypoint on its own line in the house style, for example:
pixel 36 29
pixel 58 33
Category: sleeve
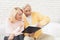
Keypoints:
pixel 42 19
pixel 16 31
pixel 7 28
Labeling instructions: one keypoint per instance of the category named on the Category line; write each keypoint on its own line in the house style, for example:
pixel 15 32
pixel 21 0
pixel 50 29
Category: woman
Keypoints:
pixel 15 25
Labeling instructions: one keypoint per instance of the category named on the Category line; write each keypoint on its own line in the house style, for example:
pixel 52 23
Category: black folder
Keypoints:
pixel 31 29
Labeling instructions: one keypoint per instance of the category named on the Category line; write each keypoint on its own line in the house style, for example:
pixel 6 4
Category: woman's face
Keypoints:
pixel 19 15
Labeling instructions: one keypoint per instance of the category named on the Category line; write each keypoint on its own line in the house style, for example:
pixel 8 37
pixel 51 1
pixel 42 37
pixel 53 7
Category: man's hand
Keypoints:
pixel 38 25
pixel 30 34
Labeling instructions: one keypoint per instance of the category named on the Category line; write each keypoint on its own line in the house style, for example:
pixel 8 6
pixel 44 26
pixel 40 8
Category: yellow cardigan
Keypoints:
pixel 43 20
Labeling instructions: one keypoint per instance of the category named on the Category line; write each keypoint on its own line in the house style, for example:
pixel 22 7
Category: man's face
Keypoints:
pixel 27 10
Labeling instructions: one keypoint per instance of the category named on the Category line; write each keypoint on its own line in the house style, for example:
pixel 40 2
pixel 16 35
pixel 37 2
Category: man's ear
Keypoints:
pixel 15 8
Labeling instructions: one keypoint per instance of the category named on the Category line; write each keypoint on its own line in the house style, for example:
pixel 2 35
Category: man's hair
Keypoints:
pixel 27 5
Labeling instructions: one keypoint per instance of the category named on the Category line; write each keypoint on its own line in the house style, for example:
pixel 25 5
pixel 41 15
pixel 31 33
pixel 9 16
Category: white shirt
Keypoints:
pixel 29 19
pixel 15 28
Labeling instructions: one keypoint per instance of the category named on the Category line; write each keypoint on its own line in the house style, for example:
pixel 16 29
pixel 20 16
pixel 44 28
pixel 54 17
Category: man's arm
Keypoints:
pixel 42 20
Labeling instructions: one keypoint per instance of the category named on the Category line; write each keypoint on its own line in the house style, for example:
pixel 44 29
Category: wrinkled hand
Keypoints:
pixel 38 25
pixel 30 34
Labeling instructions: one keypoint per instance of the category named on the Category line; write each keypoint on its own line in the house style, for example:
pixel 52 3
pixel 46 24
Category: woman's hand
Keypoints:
pixel 11 37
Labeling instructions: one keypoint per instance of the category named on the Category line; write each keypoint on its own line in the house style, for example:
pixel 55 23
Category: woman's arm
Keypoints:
pixel 18 30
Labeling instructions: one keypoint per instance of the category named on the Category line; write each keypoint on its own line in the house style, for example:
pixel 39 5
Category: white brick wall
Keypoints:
pixel 48 7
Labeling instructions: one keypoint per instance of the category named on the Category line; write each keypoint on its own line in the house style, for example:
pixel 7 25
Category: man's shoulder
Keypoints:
pixel 35 13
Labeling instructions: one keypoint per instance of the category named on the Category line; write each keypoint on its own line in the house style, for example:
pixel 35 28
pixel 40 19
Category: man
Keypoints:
pixel 33 18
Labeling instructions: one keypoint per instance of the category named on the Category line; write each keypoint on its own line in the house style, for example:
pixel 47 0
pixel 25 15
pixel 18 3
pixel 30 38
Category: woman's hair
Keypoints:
pixel 13 14
pixel 16 8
